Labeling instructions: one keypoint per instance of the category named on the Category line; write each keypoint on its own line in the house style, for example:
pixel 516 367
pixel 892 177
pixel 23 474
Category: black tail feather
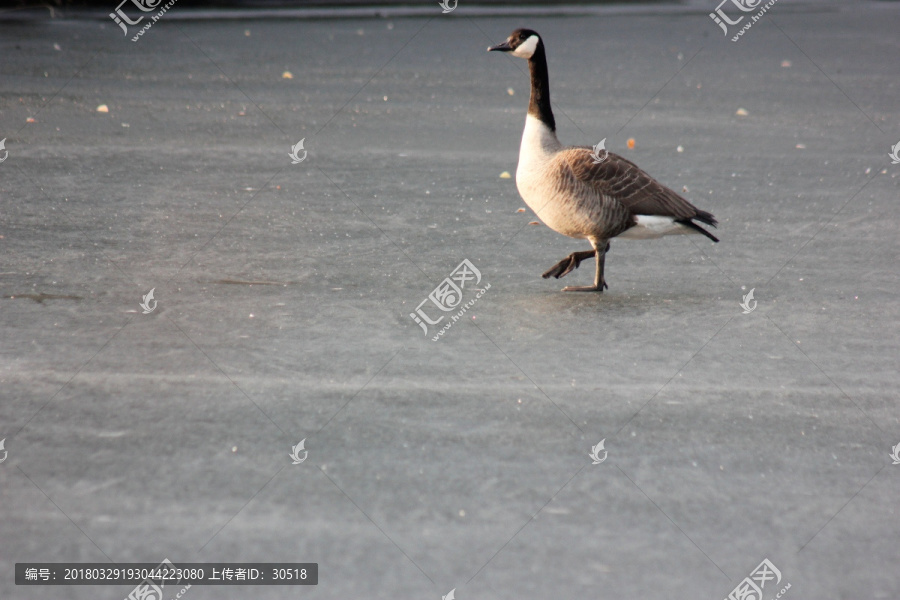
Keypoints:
pixel 705 217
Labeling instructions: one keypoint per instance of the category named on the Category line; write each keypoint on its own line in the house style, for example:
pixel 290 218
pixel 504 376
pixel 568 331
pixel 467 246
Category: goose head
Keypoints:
pixel 521 42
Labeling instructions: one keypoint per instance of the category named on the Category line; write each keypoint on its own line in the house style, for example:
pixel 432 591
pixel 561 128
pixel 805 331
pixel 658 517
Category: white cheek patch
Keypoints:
pixel 527 48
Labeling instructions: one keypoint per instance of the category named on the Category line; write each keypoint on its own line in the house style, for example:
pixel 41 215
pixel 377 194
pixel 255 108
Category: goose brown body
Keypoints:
pixel 580 198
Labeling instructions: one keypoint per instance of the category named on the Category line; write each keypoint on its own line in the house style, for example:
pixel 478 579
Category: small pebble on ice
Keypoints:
pixel 800 146
pixel 520 210
pixel 534 223
pixel 103 108
pixel 680 148
pixel 510 91
pixel 742 112
pixel 505 175
pixel 287 75
pixel 786 64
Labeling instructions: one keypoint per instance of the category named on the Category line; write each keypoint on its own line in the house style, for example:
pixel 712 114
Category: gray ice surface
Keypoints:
pixel 284 293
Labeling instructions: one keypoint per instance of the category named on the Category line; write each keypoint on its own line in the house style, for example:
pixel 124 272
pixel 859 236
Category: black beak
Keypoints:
pixel 504 47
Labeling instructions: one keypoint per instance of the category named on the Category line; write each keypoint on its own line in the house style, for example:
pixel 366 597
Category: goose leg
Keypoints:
pixel 599 281
pixel 568 264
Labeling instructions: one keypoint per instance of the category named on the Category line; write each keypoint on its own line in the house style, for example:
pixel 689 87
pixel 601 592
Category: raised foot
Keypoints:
pixel 568 264
pixel 562 268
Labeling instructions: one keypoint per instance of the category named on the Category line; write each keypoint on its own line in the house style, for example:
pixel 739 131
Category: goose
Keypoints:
pixel 579 196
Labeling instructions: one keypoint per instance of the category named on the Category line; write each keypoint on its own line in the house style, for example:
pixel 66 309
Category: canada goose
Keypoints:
pixel 577 195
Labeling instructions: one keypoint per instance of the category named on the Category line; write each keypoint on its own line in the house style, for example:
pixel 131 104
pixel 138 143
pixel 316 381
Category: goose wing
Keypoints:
pixel 624 182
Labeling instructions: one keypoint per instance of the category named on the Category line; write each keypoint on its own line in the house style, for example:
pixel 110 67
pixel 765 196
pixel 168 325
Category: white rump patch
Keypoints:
pixel 526 49
pixel 651 226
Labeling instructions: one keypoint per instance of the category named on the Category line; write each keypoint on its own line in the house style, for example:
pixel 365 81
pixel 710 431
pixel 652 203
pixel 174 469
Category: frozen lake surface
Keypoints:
pixel 283 294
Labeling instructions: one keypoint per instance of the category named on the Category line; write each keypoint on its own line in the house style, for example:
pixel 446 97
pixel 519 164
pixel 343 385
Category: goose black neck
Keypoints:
pixel 539 105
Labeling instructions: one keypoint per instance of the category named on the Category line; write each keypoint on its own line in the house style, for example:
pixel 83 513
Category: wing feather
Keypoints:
pixel 622 181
